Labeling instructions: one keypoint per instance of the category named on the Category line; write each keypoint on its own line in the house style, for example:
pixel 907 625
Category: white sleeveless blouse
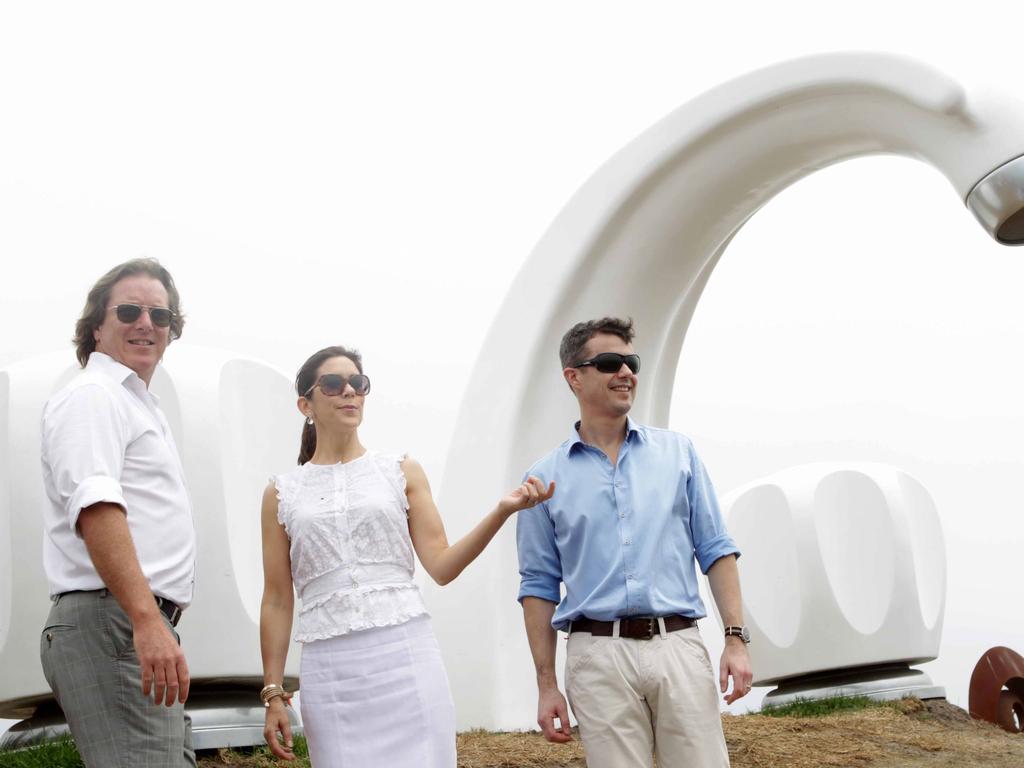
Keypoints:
pixel 351 555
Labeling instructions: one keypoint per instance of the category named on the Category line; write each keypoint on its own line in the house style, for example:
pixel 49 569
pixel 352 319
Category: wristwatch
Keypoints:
pixel 741 632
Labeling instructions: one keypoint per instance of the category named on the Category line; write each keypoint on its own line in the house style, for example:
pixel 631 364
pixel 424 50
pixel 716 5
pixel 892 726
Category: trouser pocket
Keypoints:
pixel 54 642
pixel 118 628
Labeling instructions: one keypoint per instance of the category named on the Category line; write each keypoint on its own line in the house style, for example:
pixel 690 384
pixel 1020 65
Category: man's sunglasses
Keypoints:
pixel 332 384
pixel 129 313
pixel 611 362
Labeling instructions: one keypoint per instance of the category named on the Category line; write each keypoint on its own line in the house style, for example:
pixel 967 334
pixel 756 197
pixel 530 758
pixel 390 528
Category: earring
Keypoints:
pixel 309 420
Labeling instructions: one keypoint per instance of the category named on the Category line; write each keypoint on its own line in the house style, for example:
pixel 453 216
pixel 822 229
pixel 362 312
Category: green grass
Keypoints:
pixel 55 754
pixel 62 754
pixel 261 757
pixel 821 707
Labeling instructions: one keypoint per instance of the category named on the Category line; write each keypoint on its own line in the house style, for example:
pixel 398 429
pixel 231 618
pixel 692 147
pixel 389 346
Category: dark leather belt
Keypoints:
pixel 169 609
pixel 635 628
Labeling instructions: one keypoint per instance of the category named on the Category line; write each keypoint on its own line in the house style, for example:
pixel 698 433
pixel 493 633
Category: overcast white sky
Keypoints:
pixel 375 174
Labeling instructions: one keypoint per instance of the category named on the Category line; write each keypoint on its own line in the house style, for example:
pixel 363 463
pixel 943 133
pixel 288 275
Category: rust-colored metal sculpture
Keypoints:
pixel 997 689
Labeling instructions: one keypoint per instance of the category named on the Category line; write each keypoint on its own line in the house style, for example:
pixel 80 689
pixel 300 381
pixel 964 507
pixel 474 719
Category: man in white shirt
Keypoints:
pixel 119 549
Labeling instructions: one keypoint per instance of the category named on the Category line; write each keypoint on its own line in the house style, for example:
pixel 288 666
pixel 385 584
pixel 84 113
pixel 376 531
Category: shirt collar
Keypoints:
pixel 634 432
pixel 103 363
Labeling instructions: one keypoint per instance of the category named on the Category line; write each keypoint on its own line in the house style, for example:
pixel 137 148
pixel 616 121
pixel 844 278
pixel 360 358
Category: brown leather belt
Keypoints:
pixel 635 628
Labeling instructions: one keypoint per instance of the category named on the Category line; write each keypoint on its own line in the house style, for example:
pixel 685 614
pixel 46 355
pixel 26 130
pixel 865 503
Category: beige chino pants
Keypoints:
pixel 638 698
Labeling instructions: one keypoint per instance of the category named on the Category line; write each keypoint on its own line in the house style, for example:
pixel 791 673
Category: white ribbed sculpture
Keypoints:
pixel 235 422
pixel 844 580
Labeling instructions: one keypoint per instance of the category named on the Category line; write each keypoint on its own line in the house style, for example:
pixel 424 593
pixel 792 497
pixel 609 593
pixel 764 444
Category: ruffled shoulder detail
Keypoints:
pixel 390 465
pixel 286 484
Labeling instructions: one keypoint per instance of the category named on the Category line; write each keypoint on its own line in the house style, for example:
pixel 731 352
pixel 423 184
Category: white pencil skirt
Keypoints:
pixel 378 698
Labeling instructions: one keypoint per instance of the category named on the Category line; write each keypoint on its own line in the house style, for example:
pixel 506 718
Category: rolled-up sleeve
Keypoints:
pixel 710 539
pixel 84 438
pixel 540 568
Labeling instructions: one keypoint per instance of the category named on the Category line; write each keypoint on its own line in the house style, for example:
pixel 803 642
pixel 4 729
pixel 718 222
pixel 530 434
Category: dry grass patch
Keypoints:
pixel 485 749
pixel 907 734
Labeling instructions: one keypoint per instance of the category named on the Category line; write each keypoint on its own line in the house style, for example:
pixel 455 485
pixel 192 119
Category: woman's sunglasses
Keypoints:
pixel 129 313
pixel 611 362
pixel 332 384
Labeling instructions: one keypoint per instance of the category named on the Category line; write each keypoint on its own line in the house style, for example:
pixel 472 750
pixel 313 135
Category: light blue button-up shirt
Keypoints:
pixel 622 538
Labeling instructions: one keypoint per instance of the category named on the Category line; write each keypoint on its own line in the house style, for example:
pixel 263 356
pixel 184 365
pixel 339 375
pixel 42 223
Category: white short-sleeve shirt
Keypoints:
pixel 104 438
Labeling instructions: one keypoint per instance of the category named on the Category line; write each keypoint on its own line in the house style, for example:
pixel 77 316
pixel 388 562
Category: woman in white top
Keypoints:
pixel 341 529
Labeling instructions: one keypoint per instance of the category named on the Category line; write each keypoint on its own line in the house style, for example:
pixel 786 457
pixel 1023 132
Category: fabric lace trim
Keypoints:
pixel 343 612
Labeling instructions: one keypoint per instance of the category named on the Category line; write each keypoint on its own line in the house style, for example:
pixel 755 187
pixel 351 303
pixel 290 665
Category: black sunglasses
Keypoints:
pixel 611 362
pixel 332 384
pixel 129 313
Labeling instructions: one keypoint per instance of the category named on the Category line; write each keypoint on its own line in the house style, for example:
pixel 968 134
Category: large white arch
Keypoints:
pixel 641 238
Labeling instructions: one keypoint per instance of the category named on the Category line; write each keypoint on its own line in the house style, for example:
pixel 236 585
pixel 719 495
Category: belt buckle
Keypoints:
pixel 652 624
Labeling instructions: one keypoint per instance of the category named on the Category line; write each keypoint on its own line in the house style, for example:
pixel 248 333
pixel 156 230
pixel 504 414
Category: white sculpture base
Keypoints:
pixel 883 682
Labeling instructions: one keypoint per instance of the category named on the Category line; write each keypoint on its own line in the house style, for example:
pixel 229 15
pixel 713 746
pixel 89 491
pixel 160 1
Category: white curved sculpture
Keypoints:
pixel 843 566
pixel 234 421
pixel 640 238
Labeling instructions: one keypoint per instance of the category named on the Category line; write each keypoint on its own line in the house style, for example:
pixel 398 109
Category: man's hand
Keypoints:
pixel 551 705
pixel 278 730
pixel 164 669
pixel 736 664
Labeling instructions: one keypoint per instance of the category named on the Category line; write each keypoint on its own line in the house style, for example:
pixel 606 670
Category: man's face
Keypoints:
pixel 604 394
pixel 138 345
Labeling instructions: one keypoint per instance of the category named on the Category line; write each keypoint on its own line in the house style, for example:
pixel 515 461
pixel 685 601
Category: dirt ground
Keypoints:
pixel 915 734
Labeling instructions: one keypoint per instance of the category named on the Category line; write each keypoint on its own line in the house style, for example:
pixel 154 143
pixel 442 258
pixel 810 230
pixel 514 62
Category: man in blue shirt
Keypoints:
pixel 634 508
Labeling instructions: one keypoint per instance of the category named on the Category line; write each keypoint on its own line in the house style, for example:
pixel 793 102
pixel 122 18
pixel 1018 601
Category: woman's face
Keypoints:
pixel 335 412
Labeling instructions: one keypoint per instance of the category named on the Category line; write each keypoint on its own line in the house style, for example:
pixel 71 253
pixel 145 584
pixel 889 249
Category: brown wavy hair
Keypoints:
pixel 95 309
pixel 306 378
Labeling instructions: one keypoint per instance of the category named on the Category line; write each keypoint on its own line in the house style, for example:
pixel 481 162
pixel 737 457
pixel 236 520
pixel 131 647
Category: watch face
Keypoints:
pixel 745 634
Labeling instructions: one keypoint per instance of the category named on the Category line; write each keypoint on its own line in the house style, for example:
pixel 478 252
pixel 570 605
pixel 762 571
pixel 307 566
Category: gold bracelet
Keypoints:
pixel 273 691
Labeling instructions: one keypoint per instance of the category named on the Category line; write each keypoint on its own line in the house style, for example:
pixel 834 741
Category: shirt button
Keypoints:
pixel 622 514
pixel 627 542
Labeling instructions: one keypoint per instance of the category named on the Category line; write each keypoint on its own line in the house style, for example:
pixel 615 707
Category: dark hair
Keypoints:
pixel 570 351
pixel 96 302
pixel 306 378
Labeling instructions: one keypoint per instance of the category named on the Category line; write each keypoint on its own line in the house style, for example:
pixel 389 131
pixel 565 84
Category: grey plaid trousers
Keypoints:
pixel 89 661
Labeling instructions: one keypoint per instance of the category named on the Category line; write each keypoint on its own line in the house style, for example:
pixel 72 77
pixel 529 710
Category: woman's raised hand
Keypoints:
pixel 529 494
